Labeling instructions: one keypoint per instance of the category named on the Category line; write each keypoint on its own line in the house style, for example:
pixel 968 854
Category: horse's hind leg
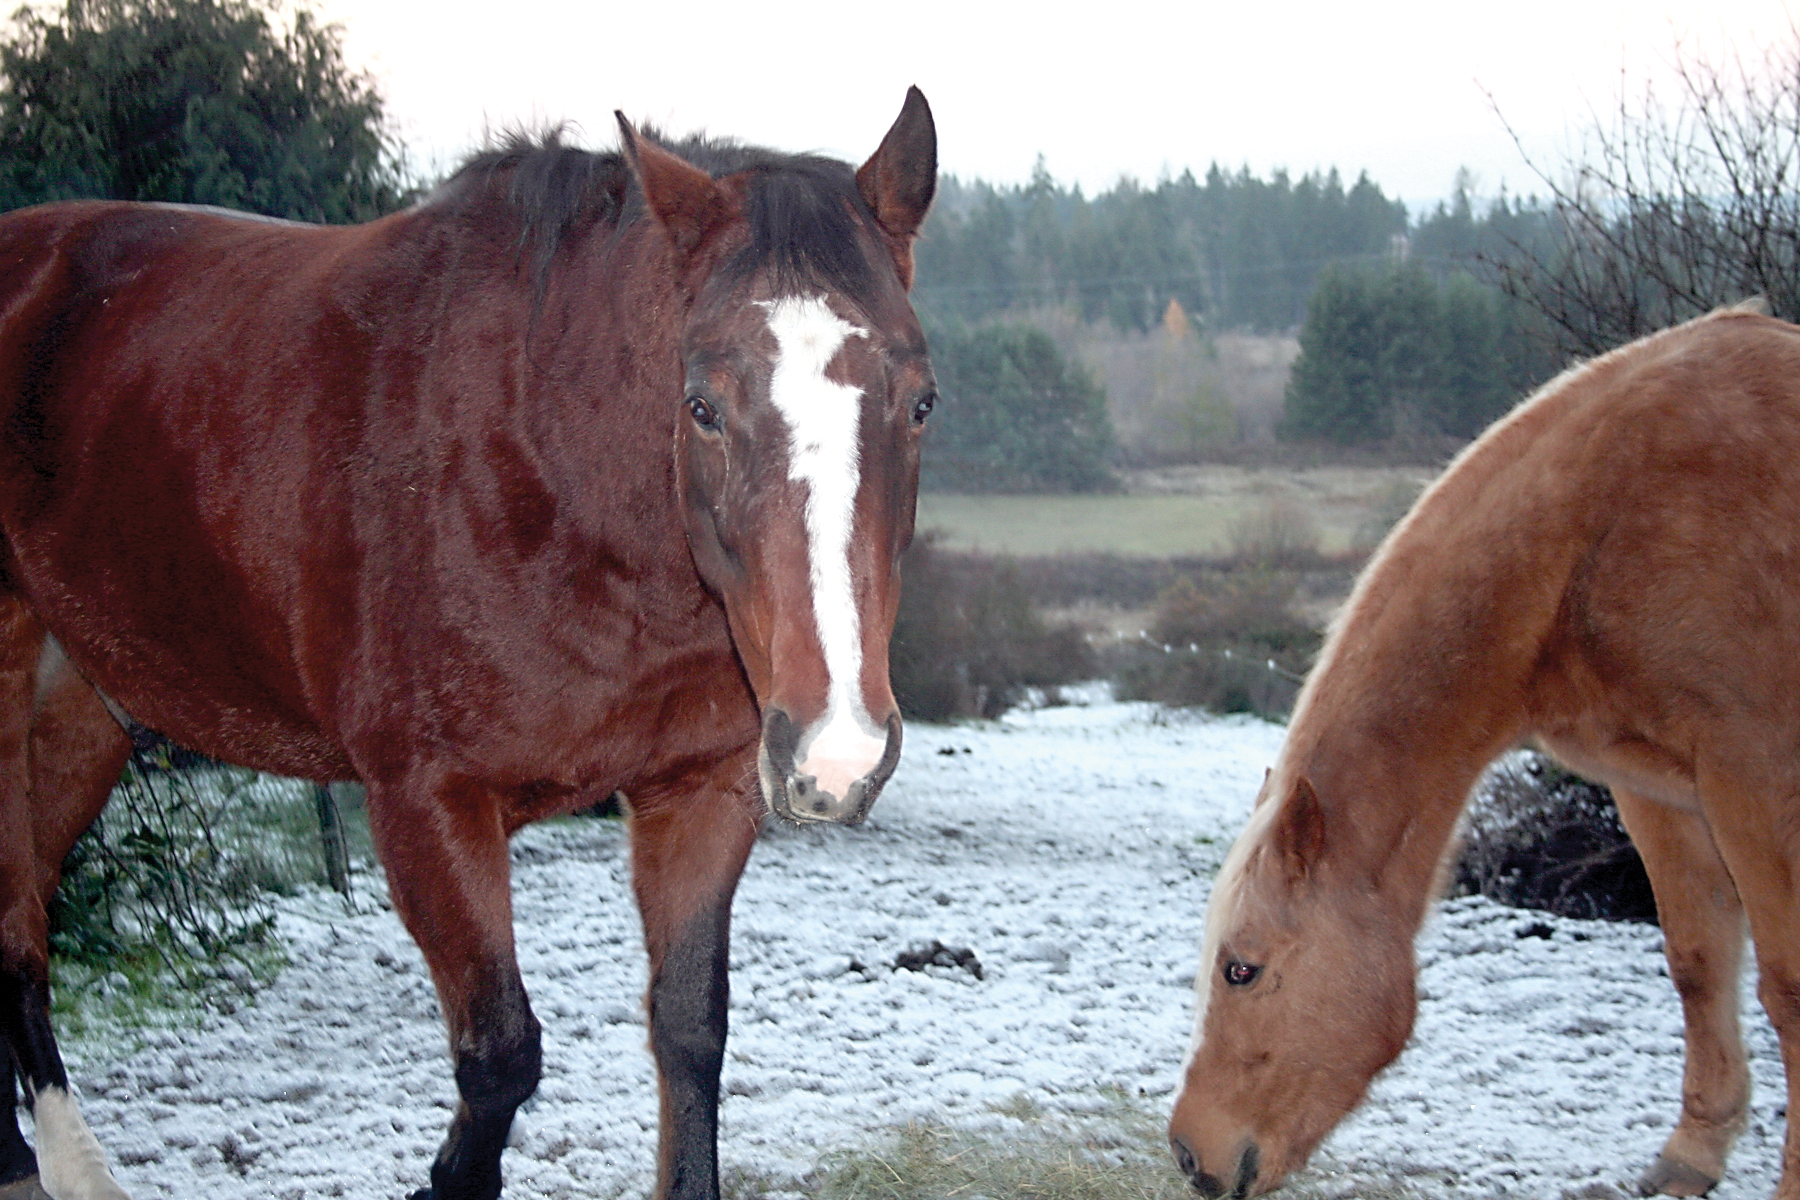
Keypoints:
pixel 1703 937
pixel 51 789
pixel 18 1165
pixel 60 754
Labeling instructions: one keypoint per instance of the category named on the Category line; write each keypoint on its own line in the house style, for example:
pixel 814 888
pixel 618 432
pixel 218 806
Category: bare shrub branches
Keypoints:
pixel 1674 206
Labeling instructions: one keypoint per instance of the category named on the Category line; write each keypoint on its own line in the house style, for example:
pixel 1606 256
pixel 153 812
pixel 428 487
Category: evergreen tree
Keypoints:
pixel 1479 342
pixel 1015 416
pixel 197 101
pixel 1396 354
pixel 1337 392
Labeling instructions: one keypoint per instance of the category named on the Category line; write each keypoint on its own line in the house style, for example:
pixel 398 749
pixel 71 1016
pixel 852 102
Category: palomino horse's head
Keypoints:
pixel 1305 992
pixel 797 440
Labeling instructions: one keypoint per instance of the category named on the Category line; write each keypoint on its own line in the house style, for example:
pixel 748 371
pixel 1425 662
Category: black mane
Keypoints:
pixel 802 209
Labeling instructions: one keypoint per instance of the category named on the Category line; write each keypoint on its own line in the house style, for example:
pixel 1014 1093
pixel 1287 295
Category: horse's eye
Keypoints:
pixel 923 408
pixel 705 416
pixel 1241 974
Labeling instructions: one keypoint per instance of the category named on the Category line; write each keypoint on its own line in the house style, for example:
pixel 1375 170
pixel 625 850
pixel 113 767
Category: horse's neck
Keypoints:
pixel 1391 807
pixel 1429 676
pixel 603 376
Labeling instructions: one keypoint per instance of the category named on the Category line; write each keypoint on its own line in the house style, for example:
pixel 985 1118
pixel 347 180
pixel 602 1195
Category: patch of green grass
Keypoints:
pixel 1137 526
pixel 108 1005
pixel 165 907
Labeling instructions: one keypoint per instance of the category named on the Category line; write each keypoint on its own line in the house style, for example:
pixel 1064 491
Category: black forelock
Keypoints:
pixel 802 210
pixel 803 216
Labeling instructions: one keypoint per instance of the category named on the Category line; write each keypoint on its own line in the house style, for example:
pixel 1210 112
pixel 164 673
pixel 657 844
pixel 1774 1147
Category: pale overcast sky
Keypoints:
pixel 1100 90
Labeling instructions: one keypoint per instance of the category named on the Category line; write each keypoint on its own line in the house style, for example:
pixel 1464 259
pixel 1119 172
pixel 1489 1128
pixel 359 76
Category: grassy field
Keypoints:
pixel 1179 511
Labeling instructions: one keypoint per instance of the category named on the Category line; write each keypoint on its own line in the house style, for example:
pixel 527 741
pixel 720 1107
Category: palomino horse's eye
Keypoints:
pixel 1241 974
pixel 705 416
pixel 923 408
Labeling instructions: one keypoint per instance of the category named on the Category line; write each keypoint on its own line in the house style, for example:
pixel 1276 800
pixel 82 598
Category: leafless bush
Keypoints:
pixel 1178 393
pixel 1674 207
pixel 1251 610
pixel 969 641
pixel 1225 641
pixel 1279 534
pixel 1539 837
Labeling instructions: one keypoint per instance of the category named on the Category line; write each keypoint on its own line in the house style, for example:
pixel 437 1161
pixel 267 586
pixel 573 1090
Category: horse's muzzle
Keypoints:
pixel 1209 1185
pixel 804 797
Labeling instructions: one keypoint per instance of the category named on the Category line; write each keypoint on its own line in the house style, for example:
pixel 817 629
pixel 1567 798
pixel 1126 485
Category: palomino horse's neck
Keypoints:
pixel 1428 673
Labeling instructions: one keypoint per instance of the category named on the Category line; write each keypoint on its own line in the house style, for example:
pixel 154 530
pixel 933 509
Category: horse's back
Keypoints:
pixel 1671 476
pixel 171 387
pixel 286 493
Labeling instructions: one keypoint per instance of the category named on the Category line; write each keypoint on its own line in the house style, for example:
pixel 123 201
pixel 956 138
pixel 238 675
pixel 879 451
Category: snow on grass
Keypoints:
pixel 1070 850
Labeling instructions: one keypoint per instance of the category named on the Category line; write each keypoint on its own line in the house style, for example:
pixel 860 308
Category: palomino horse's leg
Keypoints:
pixel 687 850
pixel 60 754
pixel 1748 807
pixel 445 852
pixel 1703 936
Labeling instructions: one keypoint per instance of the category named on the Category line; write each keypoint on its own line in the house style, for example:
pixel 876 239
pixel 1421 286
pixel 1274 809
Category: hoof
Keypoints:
pixel 1668 1177
pixel 23 1189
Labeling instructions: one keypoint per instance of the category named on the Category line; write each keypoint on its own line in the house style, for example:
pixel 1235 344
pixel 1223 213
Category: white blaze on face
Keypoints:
pixel 71 1164
pixel 823 452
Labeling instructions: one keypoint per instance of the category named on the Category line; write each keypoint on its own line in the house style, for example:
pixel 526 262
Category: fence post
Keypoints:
pixel 331 839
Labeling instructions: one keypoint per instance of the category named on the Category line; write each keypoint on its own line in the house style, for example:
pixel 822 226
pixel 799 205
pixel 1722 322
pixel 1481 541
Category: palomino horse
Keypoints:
pixel 590 473
pixel 1614 571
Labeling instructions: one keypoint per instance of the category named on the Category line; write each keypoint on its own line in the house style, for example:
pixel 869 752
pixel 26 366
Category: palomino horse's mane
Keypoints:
pixel 802 210
pixel 1226 902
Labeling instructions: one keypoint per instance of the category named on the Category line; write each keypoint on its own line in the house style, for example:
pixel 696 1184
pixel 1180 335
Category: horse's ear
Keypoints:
pixel 1300 830
pixel 686 201
pixel 900 178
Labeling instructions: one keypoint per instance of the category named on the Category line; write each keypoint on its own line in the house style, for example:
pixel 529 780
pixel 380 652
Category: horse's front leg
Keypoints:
pixel 445 850
pixel 689 843
pixel 1703 938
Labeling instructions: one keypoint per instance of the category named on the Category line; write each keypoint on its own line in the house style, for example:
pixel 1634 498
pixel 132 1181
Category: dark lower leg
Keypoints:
pixel 689 1000
pixel 688 850
pixel 16 1159
pixel 498 1063
pixel 28 1047
pixel 449 875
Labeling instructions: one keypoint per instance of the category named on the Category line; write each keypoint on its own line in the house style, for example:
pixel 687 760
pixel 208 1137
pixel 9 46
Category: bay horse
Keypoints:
pixel 1613 571
pixel 590 473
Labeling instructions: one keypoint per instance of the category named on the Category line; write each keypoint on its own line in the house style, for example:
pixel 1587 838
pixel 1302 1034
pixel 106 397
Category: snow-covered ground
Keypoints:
pixel 1070 850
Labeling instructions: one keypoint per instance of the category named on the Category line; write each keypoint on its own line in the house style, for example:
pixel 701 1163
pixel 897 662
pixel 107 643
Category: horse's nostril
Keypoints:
pixel 1188 1165
pixel 1184 1158
pixel 1247 1167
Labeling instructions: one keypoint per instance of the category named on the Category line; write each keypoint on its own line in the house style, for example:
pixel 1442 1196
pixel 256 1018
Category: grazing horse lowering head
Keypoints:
pixel 1305 992
pixel 806 390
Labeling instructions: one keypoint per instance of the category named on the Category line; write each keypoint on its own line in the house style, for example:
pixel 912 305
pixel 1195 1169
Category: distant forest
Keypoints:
pixel 1401 330
pixel 1237 251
